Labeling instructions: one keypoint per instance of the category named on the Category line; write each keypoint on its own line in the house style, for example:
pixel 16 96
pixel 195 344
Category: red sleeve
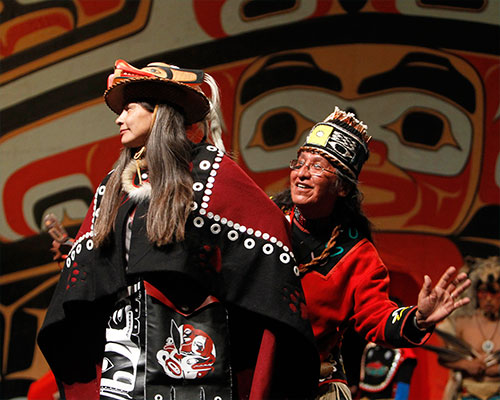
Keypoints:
pixel 376 317
pixel 372 306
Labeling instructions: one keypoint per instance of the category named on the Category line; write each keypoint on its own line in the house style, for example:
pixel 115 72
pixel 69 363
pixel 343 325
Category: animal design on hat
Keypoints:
pixel 164 83
pixel 342 139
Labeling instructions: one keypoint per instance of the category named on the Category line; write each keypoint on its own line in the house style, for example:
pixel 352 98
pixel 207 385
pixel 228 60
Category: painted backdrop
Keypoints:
pixel 422 74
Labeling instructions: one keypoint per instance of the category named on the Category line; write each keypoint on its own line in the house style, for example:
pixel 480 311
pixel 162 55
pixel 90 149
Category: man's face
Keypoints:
pixel 488 298
pixel 423 108
pixel 313 190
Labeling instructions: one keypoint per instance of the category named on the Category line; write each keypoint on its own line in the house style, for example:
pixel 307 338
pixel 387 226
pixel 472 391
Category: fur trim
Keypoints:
pixel 135 192
pixel 479 270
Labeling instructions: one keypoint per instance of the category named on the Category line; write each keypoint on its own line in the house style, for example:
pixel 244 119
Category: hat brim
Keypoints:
pixel 193 104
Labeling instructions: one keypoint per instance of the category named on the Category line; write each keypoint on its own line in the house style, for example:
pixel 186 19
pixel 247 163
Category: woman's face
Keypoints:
pixel 315 195
pixel 135 123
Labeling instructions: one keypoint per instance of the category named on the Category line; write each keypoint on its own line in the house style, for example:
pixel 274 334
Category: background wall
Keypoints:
pixel 422 74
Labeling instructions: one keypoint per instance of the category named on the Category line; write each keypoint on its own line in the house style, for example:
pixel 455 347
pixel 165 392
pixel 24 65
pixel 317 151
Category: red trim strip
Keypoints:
pixel 158 295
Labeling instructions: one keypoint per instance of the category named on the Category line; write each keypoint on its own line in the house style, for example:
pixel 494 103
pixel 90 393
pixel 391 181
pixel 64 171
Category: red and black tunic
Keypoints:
pixel 350 287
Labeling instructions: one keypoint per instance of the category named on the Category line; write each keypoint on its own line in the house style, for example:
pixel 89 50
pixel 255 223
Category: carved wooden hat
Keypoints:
pixel 342 139
pixel 158 83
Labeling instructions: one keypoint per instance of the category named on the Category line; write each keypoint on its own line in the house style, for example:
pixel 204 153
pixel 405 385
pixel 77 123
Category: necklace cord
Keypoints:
pixel 487 344
pixel 304 268
pixel 138 157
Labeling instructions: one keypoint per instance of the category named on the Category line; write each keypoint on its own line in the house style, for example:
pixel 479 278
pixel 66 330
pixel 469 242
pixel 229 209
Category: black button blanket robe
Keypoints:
pixel 222 314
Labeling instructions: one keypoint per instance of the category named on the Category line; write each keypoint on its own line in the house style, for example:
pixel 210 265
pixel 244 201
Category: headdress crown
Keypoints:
pixel 342 139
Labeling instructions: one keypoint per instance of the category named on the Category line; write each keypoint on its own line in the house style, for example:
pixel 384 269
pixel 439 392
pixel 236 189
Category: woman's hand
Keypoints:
pixel 435 304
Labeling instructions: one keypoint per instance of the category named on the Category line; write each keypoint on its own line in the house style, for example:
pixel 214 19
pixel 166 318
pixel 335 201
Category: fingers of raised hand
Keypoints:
pixel 461 302
pixel 445 279
pixel 458 286
pixel 426 288
pixel 452 288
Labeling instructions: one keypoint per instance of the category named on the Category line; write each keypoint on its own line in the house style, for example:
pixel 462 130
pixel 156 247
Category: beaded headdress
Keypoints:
pixel 342 139
pixel 480 271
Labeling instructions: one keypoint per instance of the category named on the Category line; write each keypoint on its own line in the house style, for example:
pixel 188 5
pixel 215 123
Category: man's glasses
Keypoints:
pixel 315 168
